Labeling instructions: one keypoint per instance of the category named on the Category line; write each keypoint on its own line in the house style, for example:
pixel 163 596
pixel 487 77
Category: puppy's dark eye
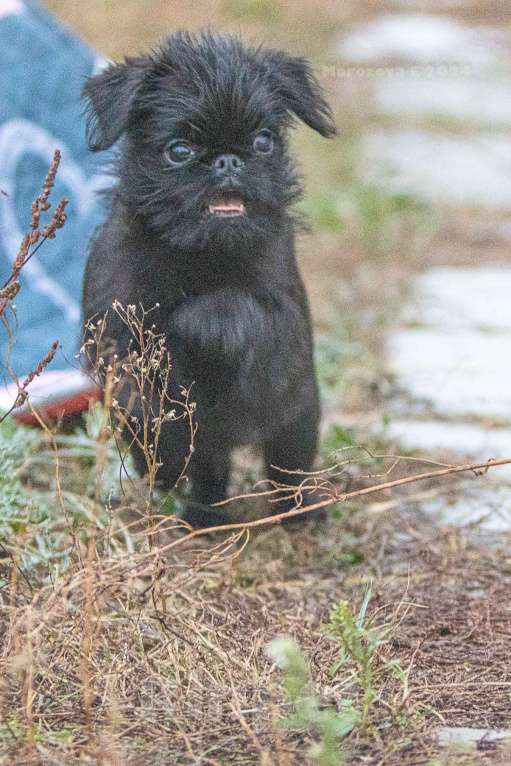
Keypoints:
pixel 263 142
pixel 178 152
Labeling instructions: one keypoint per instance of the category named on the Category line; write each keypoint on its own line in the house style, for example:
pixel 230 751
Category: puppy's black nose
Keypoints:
pixel 228 164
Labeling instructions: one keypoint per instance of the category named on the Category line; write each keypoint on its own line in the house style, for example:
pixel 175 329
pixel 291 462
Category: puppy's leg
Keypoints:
pixel 209 472
pixel 173 451
pixel 293 449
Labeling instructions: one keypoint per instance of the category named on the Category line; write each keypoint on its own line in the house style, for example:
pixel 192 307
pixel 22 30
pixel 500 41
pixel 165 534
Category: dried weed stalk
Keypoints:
pixel 140 382
pixel 29 246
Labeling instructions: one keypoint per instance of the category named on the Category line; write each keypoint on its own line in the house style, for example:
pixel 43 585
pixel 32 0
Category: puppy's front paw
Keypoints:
pixel 201 516
pixel 308 499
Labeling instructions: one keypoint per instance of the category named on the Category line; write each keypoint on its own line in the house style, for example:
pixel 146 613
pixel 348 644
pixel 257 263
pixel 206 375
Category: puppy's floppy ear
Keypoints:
pixel 302 93
pixel 110 96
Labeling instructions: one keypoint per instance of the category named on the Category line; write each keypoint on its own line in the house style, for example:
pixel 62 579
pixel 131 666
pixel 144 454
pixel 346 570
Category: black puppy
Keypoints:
pixel 200 223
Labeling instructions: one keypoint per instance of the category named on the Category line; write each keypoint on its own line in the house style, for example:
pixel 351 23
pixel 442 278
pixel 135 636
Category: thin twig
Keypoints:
pixel 341 498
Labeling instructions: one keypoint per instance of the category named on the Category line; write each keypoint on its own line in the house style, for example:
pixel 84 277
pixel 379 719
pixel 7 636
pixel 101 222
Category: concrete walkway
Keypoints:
pixel 450 351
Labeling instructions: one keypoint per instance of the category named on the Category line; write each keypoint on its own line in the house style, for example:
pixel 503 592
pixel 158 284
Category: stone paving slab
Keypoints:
pixel 466 439
pixel 482 99
pixel 455 298
pixel 423 65
pixel 451 358
pixel 442 168
pixel 423 38
pixel 453 374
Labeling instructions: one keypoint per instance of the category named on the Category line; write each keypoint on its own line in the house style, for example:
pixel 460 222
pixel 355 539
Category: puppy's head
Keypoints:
pixel 204 121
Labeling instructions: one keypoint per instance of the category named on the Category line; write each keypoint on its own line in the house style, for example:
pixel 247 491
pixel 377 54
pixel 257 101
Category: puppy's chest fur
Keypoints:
pixel 237 327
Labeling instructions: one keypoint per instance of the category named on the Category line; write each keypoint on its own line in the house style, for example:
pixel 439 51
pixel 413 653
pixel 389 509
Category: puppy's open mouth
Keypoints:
pixel 227 205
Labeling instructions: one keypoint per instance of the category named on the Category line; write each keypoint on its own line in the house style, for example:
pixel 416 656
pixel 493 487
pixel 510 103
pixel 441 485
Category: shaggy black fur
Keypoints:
pixel 205 119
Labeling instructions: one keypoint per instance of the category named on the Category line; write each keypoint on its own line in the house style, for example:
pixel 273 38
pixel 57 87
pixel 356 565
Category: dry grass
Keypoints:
pixel 148 643
pixel 133 656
